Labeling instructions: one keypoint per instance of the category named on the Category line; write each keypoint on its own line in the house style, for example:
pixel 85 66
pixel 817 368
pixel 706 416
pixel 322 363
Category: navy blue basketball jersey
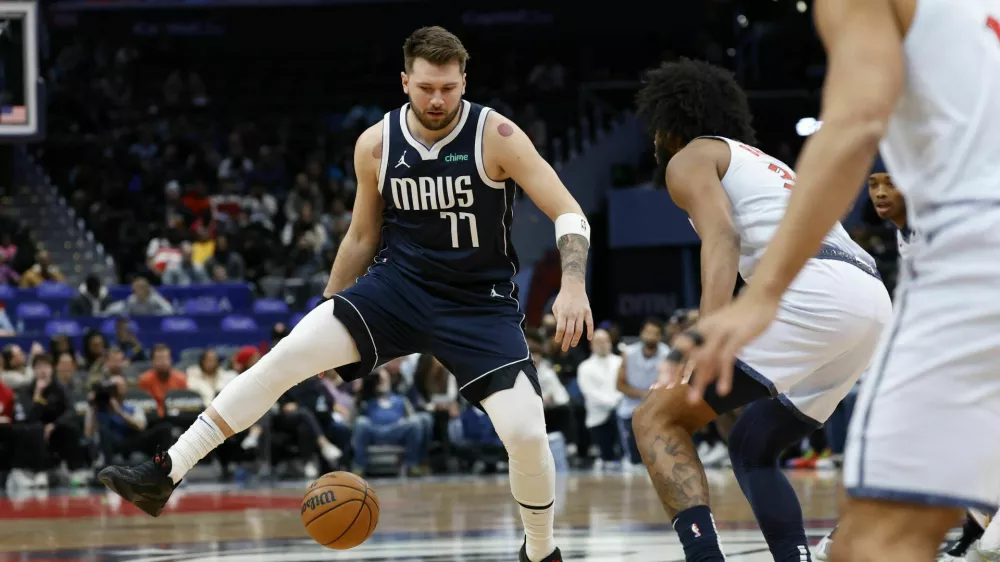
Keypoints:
pixel 445 221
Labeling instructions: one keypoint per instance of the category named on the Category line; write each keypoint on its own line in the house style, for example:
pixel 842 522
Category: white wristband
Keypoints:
pixel 572 223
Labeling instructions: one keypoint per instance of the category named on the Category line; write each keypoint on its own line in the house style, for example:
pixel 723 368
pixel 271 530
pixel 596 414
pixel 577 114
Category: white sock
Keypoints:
pixel 519 420
pixel 538 517
pixel 198 441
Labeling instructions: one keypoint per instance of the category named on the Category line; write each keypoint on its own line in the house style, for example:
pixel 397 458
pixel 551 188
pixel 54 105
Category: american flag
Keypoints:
pixel 13 114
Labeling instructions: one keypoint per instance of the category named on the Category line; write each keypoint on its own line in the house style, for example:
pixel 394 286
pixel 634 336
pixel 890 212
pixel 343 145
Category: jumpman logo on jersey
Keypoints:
pixel 402 161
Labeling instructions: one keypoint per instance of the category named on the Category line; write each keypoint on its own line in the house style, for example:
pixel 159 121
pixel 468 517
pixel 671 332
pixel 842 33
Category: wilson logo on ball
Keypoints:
pixel 318 500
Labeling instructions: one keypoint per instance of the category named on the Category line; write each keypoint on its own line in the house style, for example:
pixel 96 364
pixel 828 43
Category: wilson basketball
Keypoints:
pixel 340 510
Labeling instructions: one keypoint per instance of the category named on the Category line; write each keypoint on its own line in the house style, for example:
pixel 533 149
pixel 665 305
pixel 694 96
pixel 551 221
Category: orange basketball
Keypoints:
pixel 340 510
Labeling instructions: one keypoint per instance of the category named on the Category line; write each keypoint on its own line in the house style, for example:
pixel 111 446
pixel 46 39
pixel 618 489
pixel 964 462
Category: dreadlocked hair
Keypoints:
pixel 690 98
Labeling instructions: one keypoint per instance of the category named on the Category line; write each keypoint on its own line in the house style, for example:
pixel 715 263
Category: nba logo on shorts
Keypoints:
pixel 695 530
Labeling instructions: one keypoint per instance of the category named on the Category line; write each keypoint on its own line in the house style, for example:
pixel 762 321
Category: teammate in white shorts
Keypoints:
pixel 923 74
pixel 793 377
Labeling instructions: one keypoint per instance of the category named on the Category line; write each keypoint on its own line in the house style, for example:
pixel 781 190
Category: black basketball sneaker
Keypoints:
pixel 556 556
pixel 147 486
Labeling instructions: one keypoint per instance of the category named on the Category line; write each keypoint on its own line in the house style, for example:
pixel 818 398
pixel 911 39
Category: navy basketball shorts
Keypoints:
pixel 476 335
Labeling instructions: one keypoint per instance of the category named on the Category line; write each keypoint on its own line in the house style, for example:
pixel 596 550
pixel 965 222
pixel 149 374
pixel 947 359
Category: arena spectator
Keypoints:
pixel 68 376
pixel 208 378
pixel 244 358
pixel 59 344
pixel 116 363
pixel 95 351
pixel 162 378
pixel 639 369
pixel 8 275
pixel 385 418
pixel 126 339
pixel 143 301
pixel 299 425
pixel 6 326
pixel 41 272
pixel 17 374
pixel 227 258
pixel 185 271
pixel 120 427
pixel 598 380
pixel 47 403
pixel 8 249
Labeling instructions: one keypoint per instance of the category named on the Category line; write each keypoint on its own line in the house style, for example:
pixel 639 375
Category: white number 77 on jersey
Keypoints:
pixel 454 218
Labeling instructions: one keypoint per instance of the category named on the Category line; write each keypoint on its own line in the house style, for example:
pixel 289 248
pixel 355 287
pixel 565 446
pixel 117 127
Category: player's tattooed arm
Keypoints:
pixel 573 251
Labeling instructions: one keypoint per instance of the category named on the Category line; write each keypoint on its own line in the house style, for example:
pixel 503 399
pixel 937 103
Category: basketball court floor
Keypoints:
pixel 606 517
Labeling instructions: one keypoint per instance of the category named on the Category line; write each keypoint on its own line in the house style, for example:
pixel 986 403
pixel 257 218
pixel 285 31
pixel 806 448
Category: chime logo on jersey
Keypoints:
pixel 431 194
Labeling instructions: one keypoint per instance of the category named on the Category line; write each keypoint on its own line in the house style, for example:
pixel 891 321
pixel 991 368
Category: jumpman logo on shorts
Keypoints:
pixel 402 161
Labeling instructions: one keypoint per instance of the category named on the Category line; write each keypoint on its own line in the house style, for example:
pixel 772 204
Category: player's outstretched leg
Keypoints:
pixel 765 429
pixel 317 343
pixel 519 418
pixel 663 424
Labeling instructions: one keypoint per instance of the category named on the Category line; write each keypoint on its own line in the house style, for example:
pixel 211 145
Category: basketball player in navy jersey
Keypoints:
pixel 426 267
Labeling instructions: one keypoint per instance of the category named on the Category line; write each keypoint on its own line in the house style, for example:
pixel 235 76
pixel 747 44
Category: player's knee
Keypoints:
pixel 522 434
pixel 656 410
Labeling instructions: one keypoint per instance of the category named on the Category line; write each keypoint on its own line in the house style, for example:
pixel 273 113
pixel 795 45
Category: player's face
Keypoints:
pixel 435 92
pixel 888 201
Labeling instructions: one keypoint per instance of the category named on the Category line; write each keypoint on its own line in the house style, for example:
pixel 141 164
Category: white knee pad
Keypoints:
pixel 519 419
pixel 319 342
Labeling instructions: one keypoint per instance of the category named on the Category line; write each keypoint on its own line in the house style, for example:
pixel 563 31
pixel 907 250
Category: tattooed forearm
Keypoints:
pixel 676 471
pixel 573 251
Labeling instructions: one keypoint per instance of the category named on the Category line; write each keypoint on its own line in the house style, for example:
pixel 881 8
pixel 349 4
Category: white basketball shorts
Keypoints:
pixel 824 337
pixel 926 428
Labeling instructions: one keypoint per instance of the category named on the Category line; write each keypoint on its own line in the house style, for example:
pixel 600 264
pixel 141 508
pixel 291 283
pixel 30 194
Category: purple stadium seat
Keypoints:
pixel 49 290
pixel 178 324
pixel 69 328
pixel 296 318
pixel 237 323
pixel 108 326
pixel 7 292
pixel 313 302
pixel 270 306
pixel 33 310
pixel 201 305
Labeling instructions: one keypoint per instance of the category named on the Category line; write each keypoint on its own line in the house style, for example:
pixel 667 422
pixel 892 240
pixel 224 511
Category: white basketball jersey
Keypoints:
pixel 758 186
pixel 943 141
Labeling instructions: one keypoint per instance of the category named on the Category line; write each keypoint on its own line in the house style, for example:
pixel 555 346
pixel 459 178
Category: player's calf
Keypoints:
pixel 663 425
pixel 884 531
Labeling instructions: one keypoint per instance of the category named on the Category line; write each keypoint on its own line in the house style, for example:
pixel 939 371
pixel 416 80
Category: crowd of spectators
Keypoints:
pixel 65 413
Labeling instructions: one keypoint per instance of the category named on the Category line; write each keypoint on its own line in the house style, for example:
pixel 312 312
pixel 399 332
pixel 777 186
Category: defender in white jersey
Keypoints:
pixel 922 77
pixel 794 375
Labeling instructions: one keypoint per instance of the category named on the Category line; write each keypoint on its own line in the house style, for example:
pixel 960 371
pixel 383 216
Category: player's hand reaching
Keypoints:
pixel 573 316
pixel 711 344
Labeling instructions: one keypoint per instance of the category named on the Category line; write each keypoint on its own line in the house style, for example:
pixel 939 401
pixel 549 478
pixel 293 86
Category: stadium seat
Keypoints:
pixel 178 324
pixel 238 323
pixel 7 293
pixel 268 306
pixel 63 327
pixel 33 310
pixel 54 291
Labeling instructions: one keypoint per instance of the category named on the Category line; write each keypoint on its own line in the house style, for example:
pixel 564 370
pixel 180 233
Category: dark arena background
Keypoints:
pixel 175 181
